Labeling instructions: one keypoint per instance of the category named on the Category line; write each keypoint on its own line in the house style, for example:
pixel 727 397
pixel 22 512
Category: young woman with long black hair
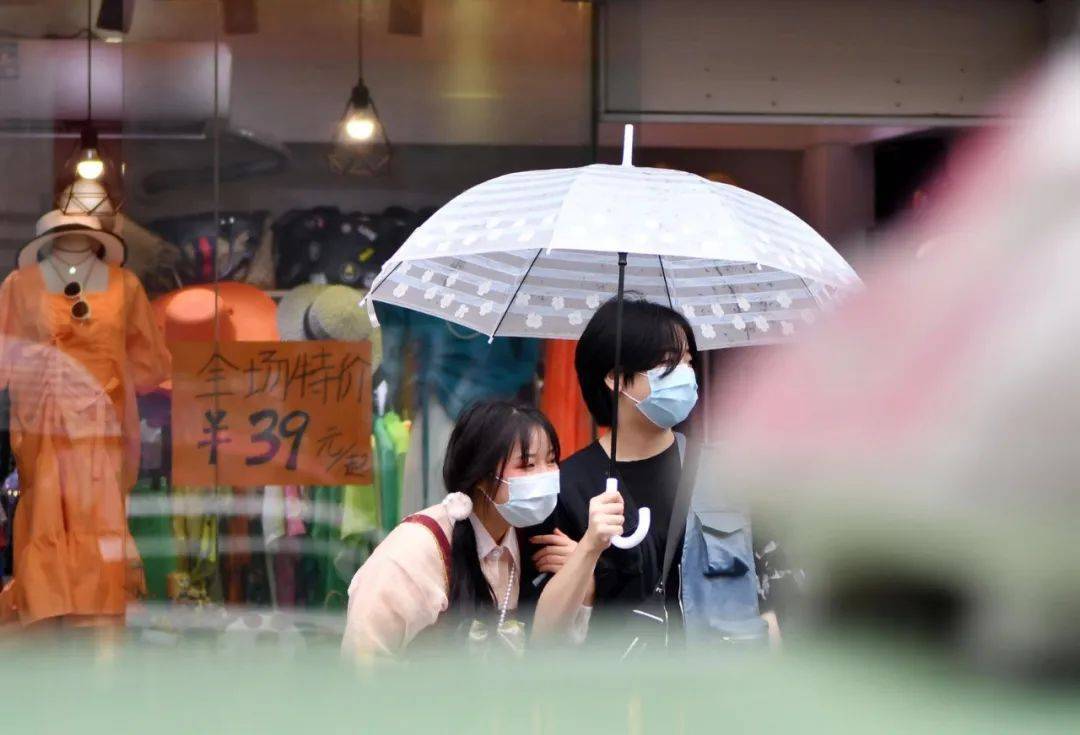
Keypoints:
pixel 458 572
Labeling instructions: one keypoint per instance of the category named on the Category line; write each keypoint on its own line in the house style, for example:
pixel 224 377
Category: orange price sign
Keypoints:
pixel 271 413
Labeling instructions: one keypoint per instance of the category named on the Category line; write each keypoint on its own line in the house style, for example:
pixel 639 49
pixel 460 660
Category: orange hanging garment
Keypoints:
pixel 75 436
pixel 561 399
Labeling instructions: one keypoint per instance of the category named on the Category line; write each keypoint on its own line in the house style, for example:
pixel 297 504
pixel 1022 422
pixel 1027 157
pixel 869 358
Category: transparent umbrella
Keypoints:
pixel 534 254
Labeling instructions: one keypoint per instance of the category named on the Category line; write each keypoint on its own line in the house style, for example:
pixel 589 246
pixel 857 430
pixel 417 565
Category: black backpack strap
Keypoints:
pixel 690 453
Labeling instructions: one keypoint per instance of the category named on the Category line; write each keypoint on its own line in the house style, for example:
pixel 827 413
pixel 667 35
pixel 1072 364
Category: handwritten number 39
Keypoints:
pixel 292 426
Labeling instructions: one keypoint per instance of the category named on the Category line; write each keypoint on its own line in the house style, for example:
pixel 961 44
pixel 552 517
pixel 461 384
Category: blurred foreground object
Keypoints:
pixel 832 688
pixel 922 451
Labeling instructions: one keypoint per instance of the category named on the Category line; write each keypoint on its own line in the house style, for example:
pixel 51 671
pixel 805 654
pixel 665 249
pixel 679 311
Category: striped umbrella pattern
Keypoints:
pixel 534 254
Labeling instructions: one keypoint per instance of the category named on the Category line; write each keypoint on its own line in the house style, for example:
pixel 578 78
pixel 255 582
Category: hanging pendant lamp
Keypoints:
pixel 361 146
pixel 89 182
pixel 360 123
pixel 89 166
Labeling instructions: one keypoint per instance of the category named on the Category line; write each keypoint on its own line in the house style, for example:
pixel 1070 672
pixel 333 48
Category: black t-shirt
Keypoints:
pixel 624 577
pixel 627 577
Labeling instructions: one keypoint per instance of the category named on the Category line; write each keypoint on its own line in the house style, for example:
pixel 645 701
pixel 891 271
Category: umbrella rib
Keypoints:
pixel 663 276
pixel 812 296
pixel 371 293
pixel 510 303
pixel 732 289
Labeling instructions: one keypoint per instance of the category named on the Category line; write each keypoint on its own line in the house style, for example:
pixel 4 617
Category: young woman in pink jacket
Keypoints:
pixel 464 572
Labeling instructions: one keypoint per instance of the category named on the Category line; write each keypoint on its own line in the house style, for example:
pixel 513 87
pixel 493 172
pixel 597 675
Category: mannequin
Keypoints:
pixel 74 258
pixel 77 340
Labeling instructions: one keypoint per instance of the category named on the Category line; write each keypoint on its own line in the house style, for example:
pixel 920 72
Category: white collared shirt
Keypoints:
pixel 496 561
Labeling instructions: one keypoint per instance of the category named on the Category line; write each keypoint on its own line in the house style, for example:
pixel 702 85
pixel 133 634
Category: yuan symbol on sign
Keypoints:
pixel 215 428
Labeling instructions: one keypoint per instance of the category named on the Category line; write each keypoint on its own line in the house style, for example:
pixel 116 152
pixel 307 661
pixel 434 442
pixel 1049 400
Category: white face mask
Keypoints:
pixel 532 499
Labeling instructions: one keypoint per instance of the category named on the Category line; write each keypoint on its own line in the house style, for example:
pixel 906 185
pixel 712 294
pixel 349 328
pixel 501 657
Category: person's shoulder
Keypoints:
pixel 580 472
pixel 454 507
pixel 405 541
pixel 711 459
pixel 410 551
pixel 585 461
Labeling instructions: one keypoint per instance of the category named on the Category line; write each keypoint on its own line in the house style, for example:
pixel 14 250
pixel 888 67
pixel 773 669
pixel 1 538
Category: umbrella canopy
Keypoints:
pixel 534 254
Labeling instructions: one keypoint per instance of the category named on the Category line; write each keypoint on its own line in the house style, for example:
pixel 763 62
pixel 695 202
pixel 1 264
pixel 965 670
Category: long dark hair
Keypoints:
pixel 479 448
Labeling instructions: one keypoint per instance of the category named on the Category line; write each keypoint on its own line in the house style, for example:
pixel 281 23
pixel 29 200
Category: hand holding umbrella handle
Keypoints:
pixel 644 519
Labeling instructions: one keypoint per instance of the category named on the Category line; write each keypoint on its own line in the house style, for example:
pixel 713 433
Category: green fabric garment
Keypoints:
pixel 360 516
pixel 399 432
pixel 196 535
pixel 150 522
pixel 333 555
pixel 386 475
pixel 391 446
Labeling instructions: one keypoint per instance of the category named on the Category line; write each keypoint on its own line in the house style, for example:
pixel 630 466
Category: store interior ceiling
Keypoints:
pixel 467 79
pixel 486 88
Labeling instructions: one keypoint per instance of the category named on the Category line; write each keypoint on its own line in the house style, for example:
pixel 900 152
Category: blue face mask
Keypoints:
pixel 671 397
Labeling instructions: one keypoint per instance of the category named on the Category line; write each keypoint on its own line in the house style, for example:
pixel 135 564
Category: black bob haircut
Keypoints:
pixel 652 335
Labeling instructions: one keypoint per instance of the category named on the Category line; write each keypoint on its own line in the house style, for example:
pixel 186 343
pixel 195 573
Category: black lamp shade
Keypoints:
pixel 115 15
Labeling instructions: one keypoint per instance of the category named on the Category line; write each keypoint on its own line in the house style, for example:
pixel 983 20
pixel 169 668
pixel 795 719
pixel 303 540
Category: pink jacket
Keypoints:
pixel 402 588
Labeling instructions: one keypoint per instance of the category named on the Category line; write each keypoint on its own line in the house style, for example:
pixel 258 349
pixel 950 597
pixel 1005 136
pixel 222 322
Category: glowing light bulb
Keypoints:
pixel 91 166
pixel 360 128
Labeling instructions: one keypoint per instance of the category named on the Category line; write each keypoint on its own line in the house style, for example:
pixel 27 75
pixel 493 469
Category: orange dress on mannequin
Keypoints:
pixel 75 436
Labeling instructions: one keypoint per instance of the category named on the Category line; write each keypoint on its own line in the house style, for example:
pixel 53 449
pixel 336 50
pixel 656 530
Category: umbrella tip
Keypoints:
pixel 628 145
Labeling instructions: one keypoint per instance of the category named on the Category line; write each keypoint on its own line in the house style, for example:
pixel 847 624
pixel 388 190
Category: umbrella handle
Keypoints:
pixel 644 519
